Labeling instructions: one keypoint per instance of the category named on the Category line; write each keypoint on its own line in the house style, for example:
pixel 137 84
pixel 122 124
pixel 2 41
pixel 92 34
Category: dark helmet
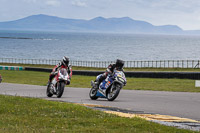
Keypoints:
pixel 65 61
pixel 119 64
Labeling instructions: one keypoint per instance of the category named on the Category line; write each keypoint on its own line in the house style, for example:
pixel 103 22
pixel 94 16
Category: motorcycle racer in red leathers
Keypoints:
pixel 64 63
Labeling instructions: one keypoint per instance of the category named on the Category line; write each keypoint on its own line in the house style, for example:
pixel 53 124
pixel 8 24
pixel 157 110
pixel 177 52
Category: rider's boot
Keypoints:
pixel 98 81
pixel 48 83
pixel 50 79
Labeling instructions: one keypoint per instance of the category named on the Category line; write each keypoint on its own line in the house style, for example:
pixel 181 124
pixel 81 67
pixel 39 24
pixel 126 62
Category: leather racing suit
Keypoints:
pixel 57 67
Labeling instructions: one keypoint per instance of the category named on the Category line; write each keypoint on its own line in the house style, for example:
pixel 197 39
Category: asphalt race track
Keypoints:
pixel 180 104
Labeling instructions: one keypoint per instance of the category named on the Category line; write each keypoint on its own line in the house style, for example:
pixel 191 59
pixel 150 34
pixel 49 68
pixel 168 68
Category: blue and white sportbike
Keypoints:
pixel 108 88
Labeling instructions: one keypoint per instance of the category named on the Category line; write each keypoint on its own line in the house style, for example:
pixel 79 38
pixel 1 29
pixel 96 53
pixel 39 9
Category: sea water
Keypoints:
pixel 98 46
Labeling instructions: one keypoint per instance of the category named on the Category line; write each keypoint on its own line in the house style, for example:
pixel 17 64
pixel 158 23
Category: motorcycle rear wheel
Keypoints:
pixel 61 86
pixel 115 92
pixel 93 93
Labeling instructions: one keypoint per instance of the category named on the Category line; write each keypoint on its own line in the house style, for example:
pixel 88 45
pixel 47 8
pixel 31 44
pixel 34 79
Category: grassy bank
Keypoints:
pixel 19 114
pixel 41 78
pixel 103 69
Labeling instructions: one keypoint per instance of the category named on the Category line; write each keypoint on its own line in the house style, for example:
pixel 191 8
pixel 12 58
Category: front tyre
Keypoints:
pixel 61 86
pixel 93 93
pixel 112 94
pixel 48 92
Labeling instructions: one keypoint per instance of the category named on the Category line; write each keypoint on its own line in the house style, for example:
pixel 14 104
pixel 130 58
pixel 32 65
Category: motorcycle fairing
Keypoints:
pixel 105 84
pixel 100 95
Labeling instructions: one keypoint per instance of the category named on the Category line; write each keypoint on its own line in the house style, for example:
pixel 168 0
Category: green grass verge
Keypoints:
pixel 19 114
pixel 41 78
pixel 103 69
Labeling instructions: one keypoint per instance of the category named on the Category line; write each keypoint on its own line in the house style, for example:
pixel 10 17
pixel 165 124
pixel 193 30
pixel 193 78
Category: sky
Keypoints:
pixel 183 13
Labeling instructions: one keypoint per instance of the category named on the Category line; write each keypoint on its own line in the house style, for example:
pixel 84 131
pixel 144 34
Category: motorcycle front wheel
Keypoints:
pixel 60 90
pixel 93 93
pixel 48 92
pixel 112 94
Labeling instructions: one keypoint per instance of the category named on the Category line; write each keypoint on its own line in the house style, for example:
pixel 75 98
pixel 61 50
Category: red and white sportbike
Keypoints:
pixel 57 85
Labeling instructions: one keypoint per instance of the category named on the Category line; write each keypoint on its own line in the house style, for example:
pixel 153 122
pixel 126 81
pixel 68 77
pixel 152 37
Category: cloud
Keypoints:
pixel 79 3
pixel 55 3
pixel 30 1
pixel 168 5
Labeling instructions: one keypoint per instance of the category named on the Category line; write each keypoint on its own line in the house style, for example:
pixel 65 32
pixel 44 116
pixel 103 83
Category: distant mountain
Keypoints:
pixel 98 24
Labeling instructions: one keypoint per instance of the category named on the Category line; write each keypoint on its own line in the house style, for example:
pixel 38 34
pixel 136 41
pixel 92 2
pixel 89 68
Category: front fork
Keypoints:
pixel 54 85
